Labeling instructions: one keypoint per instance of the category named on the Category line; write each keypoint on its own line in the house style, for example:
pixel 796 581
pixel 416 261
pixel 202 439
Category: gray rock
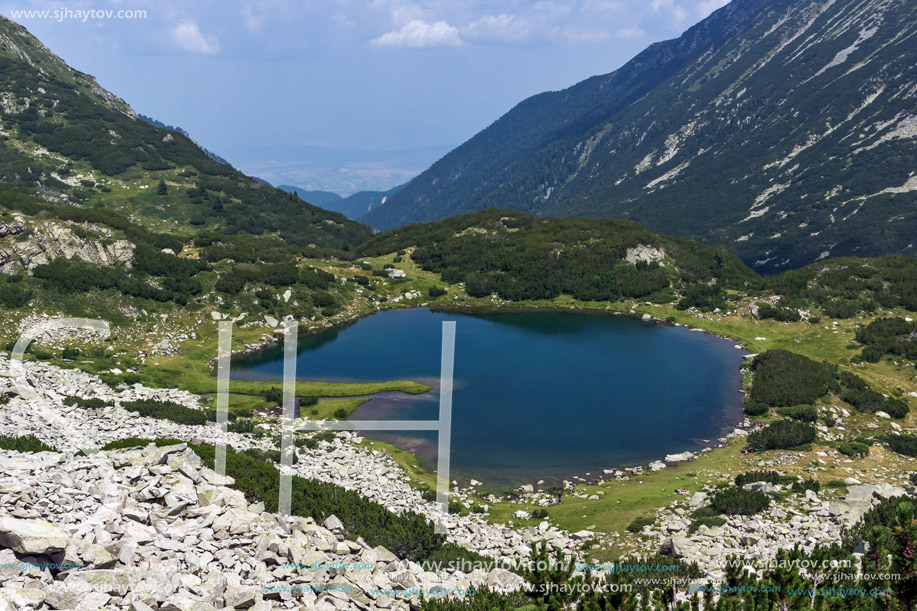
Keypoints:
pixel 33 537
pixel 332 523
pixel 682 457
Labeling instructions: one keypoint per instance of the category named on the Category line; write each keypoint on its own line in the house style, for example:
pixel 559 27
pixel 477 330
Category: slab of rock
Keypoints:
pixel 31 537
pixel 682 457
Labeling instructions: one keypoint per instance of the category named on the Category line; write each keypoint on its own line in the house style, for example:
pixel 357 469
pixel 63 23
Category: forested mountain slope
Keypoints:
pixel 784 129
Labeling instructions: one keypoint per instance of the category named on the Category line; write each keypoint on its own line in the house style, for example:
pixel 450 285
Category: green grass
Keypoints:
pixel 623 502
pixel 327 407
pixel 417 475
pixel 190 371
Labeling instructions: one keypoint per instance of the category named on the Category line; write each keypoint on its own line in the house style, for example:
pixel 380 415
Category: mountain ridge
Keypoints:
pixel 355 206
pixel 728 134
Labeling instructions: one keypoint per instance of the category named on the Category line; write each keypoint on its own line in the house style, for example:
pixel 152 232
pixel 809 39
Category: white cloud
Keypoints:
pixel 634 32
pixel 253 21
pixel 256 15
pixel 503 28
pixel 418 34
pixel 187 36
pixel 575 34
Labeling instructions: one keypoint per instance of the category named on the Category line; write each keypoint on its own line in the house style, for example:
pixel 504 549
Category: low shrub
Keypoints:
pixel 241 426
pixel 902 444
pixel 803 413
pixel 756 409
pixel 312 442
pixel 133 442
pixel 271 456
pixel 771 477
pixel 809 484
pixel 785 378
pixel 739 501
pixel 167 410
pixel 705 512
pixel 782 434
pixel 340 413
pixel 858 393
pixel 853 449
pixel 427 494
pixel 29 443
pixel 539 513
pixel 637 525
pixel 93 403
pixel 709 522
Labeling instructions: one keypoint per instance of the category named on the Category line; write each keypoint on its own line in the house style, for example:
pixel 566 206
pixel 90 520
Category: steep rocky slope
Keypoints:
pixel 783 129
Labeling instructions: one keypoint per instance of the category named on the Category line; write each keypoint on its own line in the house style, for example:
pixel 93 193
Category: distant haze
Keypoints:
pixel 339 170
pixel 346 95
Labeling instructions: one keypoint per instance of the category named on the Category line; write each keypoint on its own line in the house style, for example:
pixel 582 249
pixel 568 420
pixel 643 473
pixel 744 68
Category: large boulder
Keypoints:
pixel 677 547
pixel 502 580
pixel 848 513
pixel 31 537
pixel 873 492
pixel 682 457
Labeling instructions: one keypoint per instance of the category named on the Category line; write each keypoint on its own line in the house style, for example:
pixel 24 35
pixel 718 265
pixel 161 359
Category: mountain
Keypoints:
pixel 354 206
pixel 156 123
pixel 67 141
pixel 323 199
pixel 362 203
pixel 783 129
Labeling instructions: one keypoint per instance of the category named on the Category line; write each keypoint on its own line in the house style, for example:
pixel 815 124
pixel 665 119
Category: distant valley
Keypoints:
pixel 354 207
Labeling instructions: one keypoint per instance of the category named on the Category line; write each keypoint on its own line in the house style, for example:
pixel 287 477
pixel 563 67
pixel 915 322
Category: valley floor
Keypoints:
pixel 597 510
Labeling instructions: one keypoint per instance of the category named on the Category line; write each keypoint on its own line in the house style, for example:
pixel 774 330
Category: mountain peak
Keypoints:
pixel 18 43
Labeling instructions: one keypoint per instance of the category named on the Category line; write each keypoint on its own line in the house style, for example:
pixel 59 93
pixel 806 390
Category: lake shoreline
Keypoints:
pixel 265 345
pixel 730 426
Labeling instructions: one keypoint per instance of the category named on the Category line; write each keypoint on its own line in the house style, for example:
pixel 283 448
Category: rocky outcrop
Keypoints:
pixel 26 244
pixel 644 253
pixel 804 520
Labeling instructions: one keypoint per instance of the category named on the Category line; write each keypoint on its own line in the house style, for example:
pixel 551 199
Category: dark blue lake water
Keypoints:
pixel 538 395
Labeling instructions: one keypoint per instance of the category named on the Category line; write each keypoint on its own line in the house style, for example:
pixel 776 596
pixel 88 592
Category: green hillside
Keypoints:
pixel 67 140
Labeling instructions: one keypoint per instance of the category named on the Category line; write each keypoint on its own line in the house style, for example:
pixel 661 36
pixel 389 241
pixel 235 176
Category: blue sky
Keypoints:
pixel 346 94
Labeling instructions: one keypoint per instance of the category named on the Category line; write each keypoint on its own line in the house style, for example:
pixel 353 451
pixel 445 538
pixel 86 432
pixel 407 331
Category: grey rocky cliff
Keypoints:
pixel 25 244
